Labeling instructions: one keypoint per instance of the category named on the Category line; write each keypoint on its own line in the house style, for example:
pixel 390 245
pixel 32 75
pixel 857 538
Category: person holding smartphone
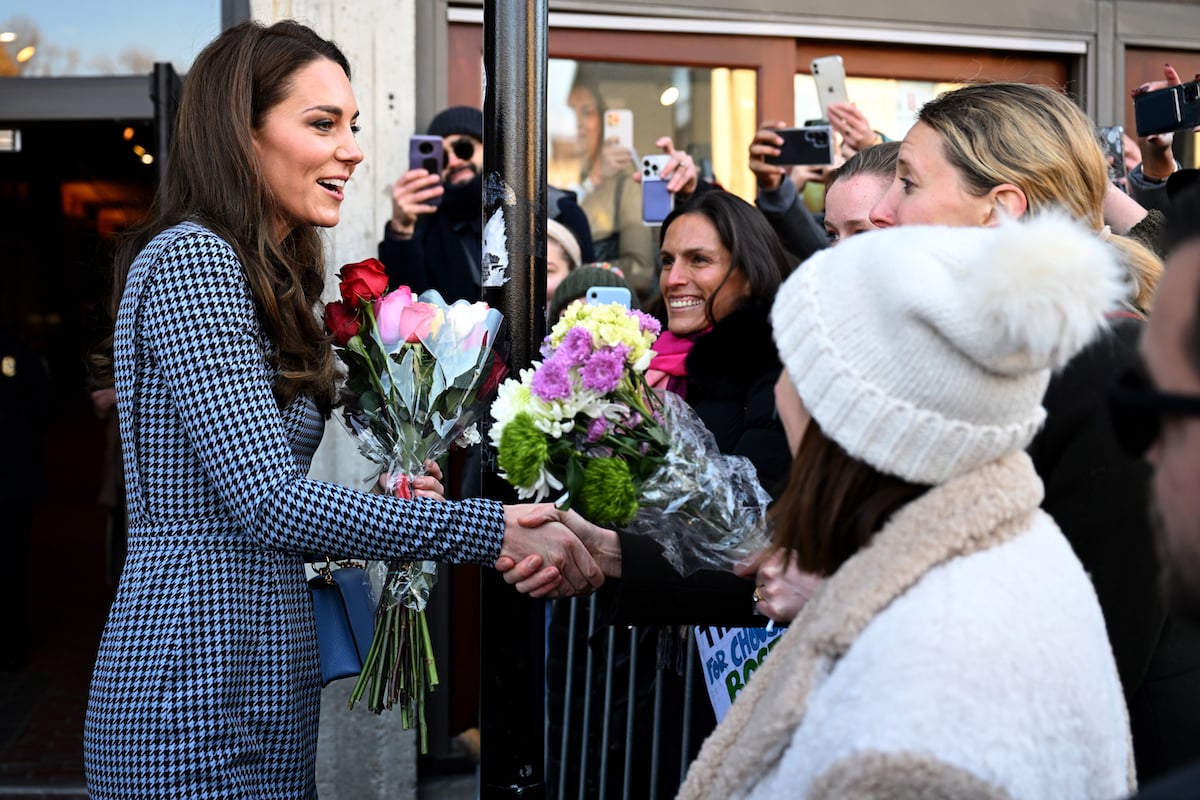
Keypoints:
pixel 434 238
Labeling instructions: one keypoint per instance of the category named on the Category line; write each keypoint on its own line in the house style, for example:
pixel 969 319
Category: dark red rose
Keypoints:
pixel 365 280
pixel 496 374
pixel 342 321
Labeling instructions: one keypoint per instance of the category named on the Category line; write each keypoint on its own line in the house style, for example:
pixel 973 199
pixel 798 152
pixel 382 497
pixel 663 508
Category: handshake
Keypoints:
pixel 551 553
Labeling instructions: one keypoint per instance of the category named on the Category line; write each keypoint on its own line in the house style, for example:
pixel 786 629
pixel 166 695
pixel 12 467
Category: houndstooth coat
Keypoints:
pixel 207 683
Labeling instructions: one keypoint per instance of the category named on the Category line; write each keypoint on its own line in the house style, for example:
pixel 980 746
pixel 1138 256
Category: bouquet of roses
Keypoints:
pixel 417 370
pixel 584 427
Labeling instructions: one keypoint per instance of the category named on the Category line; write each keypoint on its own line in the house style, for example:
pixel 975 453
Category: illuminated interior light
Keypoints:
pixel 25 53
pixel 147 158
pixel 8 36
pixel 139 150
pixel 669 96
pixel 127 134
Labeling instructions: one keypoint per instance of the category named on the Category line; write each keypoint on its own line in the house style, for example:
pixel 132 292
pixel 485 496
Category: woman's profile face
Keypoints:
pixel 694 264
pixel 848 204
pixel 928 189
pixel 792 413
pixel 306 147
pixel 587 120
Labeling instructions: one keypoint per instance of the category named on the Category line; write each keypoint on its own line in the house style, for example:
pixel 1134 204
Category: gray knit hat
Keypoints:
pixel 925 351
pixel 458 119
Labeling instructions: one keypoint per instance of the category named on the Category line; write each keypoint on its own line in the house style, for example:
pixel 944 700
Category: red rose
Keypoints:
pixel 365 280
pixel 342 321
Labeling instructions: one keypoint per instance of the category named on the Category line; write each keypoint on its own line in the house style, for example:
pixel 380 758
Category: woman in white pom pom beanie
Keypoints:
pixel 957 648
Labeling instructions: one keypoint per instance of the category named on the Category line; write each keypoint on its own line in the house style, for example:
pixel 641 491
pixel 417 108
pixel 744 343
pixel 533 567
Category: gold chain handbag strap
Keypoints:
pixel 325 568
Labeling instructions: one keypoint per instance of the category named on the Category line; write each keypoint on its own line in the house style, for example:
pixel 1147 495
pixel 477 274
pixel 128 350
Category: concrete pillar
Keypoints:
pixel 360 755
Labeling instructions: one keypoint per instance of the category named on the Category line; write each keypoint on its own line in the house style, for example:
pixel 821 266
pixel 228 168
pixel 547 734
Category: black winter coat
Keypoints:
pixel 1100 499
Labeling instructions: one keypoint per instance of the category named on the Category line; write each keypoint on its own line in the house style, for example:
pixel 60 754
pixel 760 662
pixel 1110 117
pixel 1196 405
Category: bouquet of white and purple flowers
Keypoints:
pixel 583 428
pixel 417 371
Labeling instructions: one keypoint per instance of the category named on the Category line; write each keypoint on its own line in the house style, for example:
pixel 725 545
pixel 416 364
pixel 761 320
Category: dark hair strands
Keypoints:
pixel 212 177
pixel 834 504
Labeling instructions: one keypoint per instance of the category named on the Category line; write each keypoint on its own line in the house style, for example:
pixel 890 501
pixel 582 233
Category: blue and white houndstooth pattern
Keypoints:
pixel 207 683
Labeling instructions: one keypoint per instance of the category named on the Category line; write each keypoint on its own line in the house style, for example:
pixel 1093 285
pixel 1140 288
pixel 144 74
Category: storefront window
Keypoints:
pixel 55 38
pixel 890 105
pixel 708 112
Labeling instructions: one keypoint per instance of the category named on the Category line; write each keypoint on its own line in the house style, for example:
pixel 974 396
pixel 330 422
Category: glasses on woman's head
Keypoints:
pixel 1137 410
pixel 463 149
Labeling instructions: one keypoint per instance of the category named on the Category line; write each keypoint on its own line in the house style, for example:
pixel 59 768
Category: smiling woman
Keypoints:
pixel 207 679
pixel 306 147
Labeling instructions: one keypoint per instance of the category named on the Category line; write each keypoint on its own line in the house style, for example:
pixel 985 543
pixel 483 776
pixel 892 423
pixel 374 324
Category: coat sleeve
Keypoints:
pixel 198 321
pixel 651 592
pixel 404 259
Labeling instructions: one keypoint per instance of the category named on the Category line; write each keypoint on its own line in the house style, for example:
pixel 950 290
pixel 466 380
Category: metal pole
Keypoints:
pixel 513 627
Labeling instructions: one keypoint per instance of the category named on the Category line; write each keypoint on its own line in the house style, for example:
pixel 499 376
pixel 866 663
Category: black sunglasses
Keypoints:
pixel 1137 409
pixel 463 149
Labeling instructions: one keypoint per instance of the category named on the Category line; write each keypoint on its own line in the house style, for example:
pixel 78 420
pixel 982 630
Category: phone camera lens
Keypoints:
pixel 1191 92
pixel 426 147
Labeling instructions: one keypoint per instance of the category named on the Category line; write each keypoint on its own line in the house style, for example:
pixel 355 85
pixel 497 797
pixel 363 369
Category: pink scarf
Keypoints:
pixel 668 368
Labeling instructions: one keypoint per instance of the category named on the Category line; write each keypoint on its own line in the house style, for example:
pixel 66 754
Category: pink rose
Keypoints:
pixel 418 320
pixel 388 313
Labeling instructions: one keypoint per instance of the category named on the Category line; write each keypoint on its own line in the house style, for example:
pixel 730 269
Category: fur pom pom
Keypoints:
pixel 1045 286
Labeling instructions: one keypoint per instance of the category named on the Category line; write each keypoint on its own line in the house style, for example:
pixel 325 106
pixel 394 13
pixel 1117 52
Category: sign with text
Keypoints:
pixel 729 656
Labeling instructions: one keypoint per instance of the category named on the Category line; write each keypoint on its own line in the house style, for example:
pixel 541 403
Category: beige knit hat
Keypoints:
pixel 557 232
pixel 925 350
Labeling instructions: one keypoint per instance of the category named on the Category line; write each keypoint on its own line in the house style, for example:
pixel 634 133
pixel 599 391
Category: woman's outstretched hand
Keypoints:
pixel 531 577
pixel 542 557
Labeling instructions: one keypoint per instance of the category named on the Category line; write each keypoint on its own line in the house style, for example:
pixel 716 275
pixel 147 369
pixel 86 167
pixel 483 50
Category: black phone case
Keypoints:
pixel 1165 110
pixel 809 146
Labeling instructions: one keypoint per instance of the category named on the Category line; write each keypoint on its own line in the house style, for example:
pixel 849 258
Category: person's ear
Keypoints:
pixel 1008 200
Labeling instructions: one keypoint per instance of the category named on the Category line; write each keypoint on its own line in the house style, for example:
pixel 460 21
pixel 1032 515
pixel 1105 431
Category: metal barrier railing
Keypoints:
pixel 619 723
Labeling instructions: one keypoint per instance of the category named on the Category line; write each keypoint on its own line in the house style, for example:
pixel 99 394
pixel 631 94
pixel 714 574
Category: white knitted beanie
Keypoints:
pixel 925 350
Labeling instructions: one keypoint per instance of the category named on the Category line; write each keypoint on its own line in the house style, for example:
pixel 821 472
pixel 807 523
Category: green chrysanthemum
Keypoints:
pixel 522 451
pixel 608 496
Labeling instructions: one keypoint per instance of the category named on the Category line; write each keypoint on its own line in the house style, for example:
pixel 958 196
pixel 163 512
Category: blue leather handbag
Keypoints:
pixel 345 616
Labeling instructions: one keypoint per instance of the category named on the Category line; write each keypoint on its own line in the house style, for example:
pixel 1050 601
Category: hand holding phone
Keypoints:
pixel 1165 110
pixel 427 153
pixel 657 200
pixel 829 73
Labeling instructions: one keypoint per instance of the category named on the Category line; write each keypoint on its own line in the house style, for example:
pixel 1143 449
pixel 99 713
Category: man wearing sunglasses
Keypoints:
pixel 1156 413
pixel 434 237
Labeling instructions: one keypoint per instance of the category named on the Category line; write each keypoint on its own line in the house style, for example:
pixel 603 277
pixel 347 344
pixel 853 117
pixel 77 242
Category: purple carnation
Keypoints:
pixel 597 429
pixel 551 381
pixel 576 346
pixel 646 322
pixel 604 369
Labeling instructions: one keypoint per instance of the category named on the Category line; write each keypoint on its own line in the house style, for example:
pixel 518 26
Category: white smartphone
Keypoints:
pixel 608 294
pixel 618 127
pixel 830 76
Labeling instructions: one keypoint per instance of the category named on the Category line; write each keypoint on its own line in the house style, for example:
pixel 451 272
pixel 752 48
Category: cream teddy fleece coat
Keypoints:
pixel 961 654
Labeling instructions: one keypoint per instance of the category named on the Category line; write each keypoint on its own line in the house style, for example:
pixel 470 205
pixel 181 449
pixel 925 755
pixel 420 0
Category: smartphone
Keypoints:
pixel 608 294
pixel 657 202
pixel 830 76
pixel 427 153
pixel 812 145
pixel 1112 142
pixel 618 127
pixel 1164 110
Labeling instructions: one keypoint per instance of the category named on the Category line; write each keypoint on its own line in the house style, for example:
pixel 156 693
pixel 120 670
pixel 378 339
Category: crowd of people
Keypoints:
pixel 964 383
